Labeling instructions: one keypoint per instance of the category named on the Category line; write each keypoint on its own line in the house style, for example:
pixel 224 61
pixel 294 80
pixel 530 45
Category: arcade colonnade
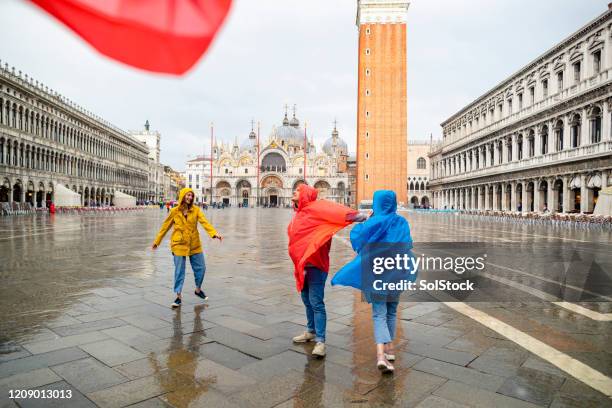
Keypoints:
pixel 575 192
pixel 46 140
pixel 275 190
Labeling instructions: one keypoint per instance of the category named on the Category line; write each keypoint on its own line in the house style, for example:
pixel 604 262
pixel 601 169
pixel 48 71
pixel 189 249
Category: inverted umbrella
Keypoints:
pixel 167 36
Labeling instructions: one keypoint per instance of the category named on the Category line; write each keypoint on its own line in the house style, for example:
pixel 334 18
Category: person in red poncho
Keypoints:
pixel 310 232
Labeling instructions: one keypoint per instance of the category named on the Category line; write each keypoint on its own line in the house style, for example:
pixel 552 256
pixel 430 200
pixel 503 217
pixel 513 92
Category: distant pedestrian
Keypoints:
pixel 185 242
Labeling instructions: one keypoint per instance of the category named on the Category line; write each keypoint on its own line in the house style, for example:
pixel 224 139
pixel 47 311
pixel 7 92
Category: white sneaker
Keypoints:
pixel 304 337
pixel 319 350
pixel 384 366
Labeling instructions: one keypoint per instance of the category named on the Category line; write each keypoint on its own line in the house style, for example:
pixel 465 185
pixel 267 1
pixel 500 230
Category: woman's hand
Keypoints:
pixel 219 237
pixel 154 247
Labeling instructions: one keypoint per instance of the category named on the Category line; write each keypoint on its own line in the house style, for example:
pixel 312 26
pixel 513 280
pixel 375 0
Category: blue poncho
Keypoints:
pixel 384 226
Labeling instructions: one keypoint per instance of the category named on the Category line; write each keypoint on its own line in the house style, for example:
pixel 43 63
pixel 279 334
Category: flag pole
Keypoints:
pixel 305 150
pixel 257 204
pixel 211 160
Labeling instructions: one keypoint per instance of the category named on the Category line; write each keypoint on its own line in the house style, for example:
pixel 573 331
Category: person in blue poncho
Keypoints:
pixel 383 226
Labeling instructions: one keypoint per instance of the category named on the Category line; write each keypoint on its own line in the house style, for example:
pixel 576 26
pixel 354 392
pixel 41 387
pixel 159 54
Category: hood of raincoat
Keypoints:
pixel 385 225
pixel 311 229
pixel 307 195
pixel 183 193
pixel 385 202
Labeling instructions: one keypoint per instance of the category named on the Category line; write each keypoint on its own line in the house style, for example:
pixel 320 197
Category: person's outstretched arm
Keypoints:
pixel 210 230
pixel 356 217
pixel 164 229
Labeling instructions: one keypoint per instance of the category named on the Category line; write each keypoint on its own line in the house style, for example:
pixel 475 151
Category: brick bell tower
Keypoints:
pixel 382 144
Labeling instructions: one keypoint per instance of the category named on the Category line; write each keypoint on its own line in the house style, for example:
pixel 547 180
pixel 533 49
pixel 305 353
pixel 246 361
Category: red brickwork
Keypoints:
pixel 381 111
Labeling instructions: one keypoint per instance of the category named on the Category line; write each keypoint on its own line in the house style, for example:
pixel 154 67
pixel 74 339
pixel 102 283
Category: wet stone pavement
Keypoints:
pixel 84 307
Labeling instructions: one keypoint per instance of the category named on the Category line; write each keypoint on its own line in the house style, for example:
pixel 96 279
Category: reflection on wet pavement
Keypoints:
pixel 85 307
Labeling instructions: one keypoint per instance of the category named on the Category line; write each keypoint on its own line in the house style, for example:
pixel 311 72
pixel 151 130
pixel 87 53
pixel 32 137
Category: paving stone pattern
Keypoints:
pixel 89 312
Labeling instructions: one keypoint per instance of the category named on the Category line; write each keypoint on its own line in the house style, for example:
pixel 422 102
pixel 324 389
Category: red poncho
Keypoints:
pixel 311 229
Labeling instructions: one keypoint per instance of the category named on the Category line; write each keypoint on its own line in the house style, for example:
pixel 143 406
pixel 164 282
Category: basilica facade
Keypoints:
pixel 541 140
pixel 247 172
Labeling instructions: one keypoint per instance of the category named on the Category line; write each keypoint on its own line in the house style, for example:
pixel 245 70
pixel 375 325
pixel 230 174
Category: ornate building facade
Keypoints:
pixel 242 175
pixel 541 140
pixel 418 174
pixel 46 140
pixel 382 98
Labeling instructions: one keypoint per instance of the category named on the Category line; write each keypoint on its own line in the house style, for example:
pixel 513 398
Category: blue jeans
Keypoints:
pixel 384 315
pixel 198 266
pixel 312 296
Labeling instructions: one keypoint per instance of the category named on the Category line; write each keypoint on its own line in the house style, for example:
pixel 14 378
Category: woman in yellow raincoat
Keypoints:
pixel 185 242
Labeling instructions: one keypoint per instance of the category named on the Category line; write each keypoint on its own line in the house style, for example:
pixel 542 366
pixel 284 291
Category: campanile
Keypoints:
pixel 382 144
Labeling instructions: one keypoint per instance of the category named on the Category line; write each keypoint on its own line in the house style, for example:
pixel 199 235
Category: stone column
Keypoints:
pixel 486 197
pixel 584 192
pixel 604 179
pixel 584 128
pixel 606 120
pixel 537 143
pixel 496 152
pixel 567 132
pixel 524 201
pixel 551 200
pixel 514 142
pixel 495 198
pixel 566 194
pixel 537 204
pixel 513 196
pixel 471 200
pixel 458 199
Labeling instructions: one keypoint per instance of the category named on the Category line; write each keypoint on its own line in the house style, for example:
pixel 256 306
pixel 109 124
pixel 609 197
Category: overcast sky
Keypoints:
pixel 276 52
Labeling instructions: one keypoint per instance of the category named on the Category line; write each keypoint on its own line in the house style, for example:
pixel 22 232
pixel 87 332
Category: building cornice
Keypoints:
pixel 507 83
pixel 37 91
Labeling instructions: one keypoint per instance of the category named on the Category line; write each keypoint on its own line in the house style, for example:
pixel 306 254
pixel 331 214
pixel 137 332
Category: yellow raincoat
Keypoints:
pixel 185 240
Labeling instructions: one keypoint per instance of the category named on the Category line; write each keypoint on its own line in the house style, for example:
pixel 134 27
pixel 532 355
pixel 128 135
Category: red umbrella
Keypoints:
pixel 166 36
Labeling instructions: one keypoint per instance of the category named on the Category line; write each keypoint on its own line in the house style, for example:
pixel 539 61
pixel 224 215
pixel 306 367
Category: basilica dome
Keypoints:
pixel 335 142
pixel 249 144
pixel 291 135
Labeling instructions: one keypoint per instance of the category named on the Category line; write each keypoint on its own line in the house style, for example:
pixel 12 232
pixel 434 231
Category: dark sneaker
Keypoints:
pixel 177 303
pixel 201 295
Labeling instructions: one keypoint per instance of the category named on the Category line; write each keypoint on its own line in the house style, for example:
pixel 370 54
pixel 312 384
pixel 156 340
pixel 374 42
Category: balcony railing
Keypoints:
pixel 581 152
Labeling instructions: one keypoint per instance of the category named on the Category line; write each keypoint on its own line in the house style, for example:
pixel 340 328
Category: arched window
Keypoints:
pixel 421 163
pixel 273 162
